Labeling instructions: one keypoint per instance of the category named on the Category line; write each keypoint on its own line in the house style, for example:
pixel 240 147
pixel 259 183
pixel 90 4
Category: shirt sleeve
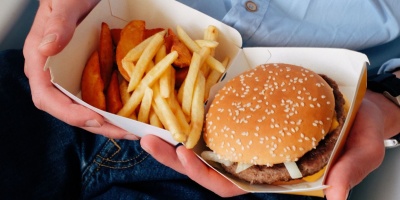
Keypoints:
pixel 390 65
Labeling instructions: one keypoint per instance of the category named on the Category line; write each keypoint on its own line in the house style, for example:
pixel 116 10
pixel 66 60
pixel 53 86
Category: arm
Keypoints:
pixel 52 29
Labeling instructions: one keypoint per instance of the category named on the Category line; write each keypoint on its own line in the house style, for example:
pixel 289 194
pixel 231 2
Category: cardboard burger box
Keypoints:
pixel 347 68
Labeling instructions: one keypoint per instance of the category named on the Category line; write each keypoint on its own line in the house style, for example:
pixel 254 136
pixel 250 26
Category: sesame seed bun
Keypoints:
pixel 269 115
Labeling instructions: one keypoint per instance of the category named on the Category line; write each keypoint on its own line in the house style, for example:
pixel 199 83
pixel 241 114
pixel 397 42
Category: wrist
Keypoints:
pixel 397 73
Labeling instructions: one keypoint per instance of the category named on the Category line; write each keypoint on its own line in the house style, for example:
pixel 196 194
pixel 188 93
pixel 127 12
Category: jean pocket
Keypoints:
pixel 116 158
pixel 120 154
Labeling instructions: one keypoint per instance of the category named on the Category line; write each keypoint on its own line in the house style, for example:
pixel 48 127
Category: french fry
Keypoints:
pixel 125 95
pixel 148 53
pixel 134 54
pixel 211 34
pixel 150 32
pixel 158 113
pixel 149 79
pixel 215 64
pixel 165 83
pixel 106 54
pixel 168 118
pixel 145 106
pixel 188 86
pixel 154 120
pixel 192 45
pixel 123 91
pixel 197 117
pixel 131 35
pixel 166 76
pixel 149 66
pixel 213 78
pixel 162 52
pixel 183 119
pixel 113 96
pixel 207 43
pixel 187 40
pixel 92 86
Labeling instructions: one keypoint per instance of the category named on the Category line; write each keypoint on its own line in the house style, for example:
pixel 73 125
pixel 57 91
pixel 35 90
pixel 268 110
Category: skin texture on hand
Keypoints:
pixel 51 31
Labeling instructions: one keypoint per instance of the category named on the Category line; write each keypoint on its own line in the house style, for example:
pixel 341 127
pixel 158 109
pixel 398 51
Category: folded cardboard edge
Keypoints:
pixel 356 58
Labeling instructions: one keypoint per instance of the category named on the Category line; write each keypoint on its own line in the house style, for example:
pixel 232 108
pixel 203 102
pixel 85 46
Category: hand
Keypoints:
pixel 363 152
pixel 51 31
pixel 186 162
pixel 364 149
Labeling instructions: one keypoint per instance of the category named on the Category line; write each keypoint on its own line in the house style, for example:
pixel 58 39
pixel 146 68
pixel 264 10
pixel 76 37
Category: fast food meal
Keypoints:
pixel 154 76
pixel 275 124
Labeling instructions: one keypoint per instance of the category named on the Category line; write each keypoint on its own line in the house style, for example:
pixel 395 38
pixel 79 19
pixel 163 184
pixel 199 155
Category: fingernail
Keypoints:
pixel 178 145
pixel 131 136
pixel 92 123
pixel 48 39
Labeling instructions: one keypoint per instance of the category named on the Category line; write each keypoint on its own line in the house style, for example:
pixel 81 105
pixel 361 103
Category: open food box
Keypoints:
pixel 347 68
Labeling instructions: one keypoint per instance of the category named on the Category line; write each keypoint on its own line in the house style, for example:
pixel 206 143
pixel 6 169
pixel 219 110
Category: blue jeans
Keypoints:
pixel 44 158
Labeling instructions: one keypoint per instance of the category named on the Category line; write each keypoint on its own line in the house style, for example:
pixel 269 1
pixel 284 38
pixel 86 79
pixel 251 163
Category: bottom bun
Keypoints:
pixel 291 182
pixel 311 163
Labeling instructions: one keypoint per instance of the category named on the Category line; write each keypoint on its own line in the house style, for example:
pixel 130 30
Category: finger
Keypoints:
pixel 44 95
pixel 363 153
pixel 49 99
pixel 202 174
pixel 349 171
pixel 162 151
pixel 61 22
pixel 110 131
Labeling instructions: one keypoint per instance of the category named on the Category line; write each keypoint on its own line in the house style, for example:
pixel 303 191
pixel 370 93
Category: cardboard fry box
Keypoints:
pixel 346 67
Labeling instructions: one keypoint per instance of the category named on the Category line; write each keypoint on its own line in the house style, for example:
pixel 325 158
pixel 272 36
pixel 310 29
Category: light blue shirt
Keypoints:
pixel 350 24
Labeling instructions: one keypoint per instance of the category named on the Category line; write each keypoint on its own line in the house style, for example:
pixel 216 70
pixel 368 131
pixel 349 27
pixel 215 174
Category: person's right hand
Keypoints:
pixel 52 29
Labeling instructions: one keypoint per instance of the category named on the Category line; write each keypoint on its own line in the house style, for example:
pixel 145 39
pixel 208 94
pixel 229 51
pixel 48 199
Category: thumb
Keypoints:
pixel 61 23
pixel 363 153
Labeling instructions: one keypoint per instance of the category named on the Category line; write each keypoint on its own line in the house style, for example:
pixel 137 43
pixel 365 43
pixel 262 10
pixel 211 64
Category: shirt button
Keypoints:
pixel 251 6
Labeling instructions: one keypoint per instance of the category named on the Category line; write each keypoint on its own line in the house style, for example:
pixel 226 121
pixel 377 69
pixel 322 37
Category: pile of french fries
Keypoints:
pixel 154 76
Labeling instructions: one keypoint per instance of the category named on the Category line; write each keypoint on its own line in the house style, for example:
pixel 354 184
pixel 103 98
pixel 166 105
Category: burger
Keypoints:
pixel 274 124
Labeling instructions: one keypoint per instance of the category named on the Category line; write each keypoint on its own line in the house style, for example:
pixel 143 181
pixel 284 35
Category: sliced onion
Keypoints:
pixel 242 166
pixel 293 170
pixel 211 156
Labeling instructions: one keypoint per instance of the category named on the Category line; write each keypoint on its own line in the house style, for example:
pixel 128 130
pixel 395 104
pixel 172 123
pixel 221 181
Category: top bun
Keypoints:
pixel 270 114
